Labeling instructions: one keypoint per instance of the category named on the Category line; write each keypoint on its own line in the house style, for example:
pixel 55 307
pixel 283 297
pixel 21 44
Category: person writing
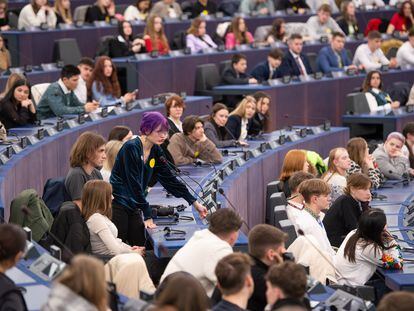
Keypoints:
pixel 137 161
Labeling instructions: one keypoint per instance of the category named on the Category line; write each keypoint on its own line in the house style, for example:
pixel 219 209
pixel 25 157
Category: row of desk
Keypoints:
pixel 36 47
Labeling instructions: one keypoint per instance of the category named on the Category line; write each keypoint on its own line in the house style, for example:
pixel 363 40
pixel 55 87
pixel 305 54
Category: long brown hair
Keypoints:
pixel 107 85
pixel 85 276
pixel 96 198
pixel 275 30
pixel 356 149
pixel 84 148
pixel 294 162
pixel 112 148
pixel 195 24
pixel 366 86
pixel 259 96
pixel 241 37
pixel 65 13
pixel 150 31
pixel 344 12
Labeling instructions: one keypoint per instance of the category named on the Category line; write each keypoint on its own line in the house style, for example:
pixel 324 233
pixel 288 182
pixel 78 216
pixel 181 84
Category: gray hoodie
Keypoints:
pixel 392 168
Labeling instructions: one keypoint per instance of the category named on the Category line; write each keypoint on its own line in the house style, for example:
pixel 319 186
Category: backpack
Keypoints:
pixel 54 194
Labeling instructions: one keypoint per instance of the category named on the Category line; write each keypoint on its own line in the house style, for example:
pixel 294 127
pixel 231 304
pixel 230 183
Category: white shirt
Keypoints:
pixel 81 91
pixel 178 124
pixel 372 102
pixel 199 257
pixel 405 54
pixel 310 226
pixel 370 60
pixel 132 13
pixel 243 131
pixel 297 57
pixel 293 211
pixel 28 18
pixel 63 87
pixel 105 174
pixel 366 262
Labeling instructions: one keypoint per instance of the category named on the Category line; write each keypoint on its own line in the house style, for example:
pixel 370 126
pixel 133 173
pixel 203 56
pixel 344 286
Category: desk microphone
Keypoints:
pixel 221 191
pixel 405 179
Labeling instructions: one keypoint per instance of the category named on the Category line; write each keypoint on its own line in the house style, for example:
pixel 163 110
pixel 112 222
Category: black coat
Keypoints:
pixel 11 297
pixel 230 76
pixel 289 66
pixel 234 126
pixel 342 23
pixel 261 72
pixel 257 125
pixel 94 13
pixel 15 116
pixel 341 218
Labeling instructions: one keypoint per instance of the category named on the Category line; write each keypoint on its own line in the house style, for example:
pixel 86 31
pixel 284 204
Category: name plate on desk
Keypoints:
pixel 51 131
pixel 274 82
pixel 3 159
pixel 142 56
pixel 48 67
pixel 293 137
pixel 64 26
pixel 305 78
pixel 176 53
pixel 242 47
pixel 272 144
pixel 32 140
pixel 70 124
pixel 94 116
pixel 255 153
pixel 338 74
pixel 208 50
pixel 16 148
pixel 118 110
pixel 100 23
pixel 144 104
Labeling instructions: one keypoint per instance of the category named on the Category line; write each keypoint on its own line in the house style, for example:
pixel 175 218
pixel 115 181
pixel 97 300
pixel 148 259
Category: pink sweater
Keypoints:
pixel 231 41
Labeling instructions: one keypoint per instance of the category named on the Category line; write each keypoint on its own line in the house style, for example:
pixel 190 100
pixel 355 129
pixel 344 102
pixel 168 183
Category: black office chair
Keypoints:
pixel 67 50
pixel 276 199
pixel 207 77
pixel 288 228
pixel 187 7
pixel 178 41
pixel 279 214
pixel 392 52
pixel 312 61
pixel 399 91
pixel 224 65
pixel 271 188
pixel 349 54
pixel 103 46
pixel 13 19
pixel 356 103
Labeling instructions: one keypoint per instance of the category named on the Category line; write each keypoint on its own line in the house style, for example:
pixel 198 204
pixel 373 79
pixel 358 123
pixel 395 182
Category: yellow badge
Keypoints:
pixel 152 163
pixel 196 154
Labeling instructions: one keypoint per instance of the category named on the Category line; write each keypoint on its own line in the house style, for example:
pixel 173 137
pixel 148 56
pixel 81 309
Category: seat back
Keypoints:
pixel 261 33
pixel 287 227
pixel 312 61
pixel 276 199
pixel 279 214
pixel 13 20
pixel 38 90
pixel 103 46
pixel 120 8
pixel 207 77
pixel 356 103
pixel 80 13
pixel 271 188
pixel 224 65
pixel 67 50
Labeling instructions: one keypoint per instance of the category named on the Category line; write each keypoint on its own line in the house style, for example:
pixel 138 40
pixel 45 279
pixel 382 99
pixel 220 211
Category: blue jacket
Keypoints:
pixel 289 66
pixel 261 72
pixel 328 62
pixel 130 177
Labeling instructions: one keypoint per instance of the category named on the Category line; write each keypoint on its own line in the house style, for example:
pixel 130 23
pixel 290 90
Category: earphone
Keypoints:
pixel 169 232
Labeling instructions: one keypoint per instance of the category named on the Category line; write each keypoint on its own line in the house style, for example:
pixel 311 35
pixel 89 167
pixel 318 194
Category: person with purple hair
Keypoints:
pixel 137 161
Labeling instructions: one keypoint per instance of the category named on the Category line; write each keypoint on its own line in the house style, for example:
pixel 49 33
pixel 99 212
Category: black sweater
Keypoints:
pixel 12 115
pixel 11 297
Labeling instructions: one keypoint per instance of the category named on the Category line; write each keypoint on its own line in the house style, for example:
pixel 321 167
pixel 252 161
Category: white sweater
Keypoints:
pixel 28 18
pixel 199 257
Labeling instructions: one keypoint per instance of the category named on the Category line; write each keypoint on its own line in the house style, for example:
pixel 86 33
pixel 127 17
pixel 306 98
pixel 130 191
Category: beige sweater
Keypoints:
pixel 185 151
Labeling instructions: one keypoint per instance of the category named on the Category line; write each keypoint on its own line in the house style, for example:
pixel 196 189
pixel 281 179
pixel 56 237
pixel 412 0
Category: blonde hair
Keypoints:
pixel 85 276
pixel 112 148
pixel 97 198
pixel 331 166
pixel 241 108
pixel 65 13
pixel 294 162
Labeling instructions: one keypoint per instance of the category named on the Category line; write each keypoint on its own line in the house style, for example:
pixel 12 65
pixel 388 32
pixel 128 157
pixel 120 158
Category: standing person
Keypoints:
pixel 239 34
pixel 137 161
pixel 154 36
pixel 36 14
pixel 344 213
pixel 85 67
pixel 12 248
pixel 240 119
pixel 17 108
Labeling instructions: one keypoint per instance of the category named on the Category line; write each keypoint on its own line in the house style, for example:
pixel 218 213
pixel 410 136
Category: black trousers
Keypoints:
pixel 130 224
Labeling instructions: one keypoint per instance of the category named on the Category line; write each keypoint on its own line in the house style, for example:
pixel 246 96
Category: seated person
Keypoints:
pixel 104 86
pixel 362 161
pixel 297 6
pixel 402 21
pixel 197 39
pixel 268 69
pixel 13 77
pixel 369 3
pixel 125 44
pixel 334 56
pixel 16 107
pixel 338 165
pixel 322 24
pixel 59 98
pixel 316 198
pixel 286 287
pixel 174 107
pixel 36 14
pixel 234 278
pixel 392 163
pixel 369 56
pixel 240 119
pixel 120 132
pixel 216 130
pixel 4 16
pixel 166 9
pixel 86 156
pixel 102 10
pixel 295 160
pixel 257 7
pixel 138 11
pixel 344 213
pixel 377 99
pixel 13 247
pixel 278 31
pixel 204 7
pixel 408 133
pixel 112 148
pixel 200 255
pixel 261 118
pixel 396 301
pixel 154 36
pixel 295 205
pixel 192 145
pixel 63 12
pixel 365 249
pixel 71 290
pixel 348 21
pixel 238 34
pixel 236 73
pixel 5 60
pixel 405 54
pixel 85 66
pixel 314 5
pixel 295 63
